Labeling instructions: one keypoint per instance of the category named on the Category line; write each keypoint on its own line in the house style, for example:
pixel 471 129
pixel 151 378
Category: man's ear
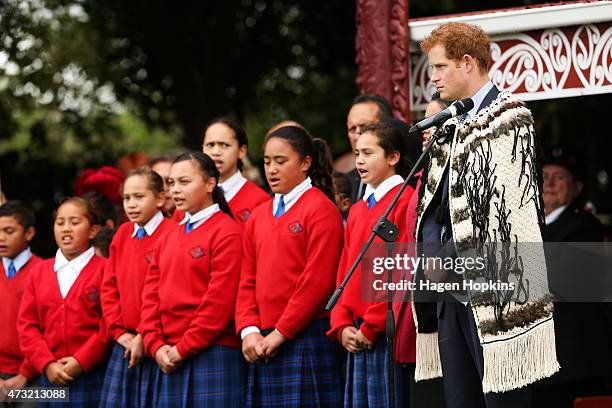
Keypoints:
pixel 577 188
pixel 470 62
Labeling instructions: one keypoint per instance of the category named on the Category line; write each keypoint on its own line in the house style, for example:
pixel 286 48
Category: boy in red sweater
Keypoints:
pixel 16 232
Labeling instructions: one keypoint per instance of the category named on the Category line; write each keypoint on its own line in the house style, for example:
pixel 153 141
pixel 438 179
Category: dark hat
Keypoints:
pixel 562 157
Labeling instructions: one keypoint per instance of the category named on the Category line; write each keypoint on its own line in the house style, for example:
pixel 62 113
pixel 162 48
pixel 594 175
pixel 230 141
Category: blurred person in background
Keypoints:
pixel 365 110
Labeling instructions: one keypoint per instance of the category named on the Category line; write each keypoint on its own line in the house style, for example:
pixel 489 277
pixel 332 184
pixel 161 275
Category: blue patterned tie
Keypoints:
pixel 371 201
pixel 280 210
pixel 463 117
pixel 188 227
pixel 11 270
pixel 140 233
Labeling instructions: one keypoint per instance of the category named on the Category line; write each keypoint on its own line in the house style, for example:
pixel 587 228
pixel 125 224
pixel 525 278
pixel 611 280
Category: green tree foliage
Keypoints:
pixel 83 82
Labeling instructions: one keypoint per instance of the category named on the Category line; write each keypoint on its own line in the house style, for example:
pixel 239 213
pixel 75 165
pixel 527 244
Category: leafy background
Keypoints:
pixel 83 82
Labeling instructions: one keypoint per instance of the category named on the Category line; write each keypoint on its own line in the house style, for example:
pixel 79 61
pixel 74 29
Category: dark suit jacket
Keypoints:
pixel 574 225
pixel 581 336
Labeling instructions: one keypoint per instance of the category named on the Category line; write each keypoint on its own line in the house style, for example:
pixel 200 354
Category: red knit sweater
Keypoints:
pixel 190 289
pixel 289 265
pixel 51 328
pixel 245 201
pixel 241 205
pixel 124 276
pixel 11 292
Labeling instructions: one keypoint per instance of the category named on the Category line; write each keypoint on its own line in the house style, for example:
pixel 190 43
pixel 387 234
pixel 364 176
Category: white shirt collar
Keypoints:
pixel 151 225
pixel 479 97
pixel 19 261
pixel 293 196
pixel 68 271
pixel 77 263
pixel 201 216
pixel 232 185
pixel 383 188
pixel 554 214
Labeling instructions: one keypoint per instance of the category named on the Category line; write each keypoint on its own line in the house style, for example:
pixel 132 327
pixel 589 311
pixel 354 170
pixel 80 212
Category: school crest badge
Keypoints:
pixel 196 252
pixel 148 256
pixel 92 294
pixel 296 228
pixel 243 215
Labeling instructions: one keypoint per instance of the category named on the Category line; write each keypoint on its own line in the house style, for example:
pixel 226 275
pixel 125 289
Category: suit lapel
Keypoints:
pixel 489 97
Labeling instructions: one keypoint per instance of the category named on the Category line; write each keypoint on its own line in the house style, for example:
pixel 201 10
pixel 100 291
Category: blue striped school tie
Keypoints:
pixel 140 233
pixel 12 271
pixel 280 210
pixel 188 227
pixel 371 201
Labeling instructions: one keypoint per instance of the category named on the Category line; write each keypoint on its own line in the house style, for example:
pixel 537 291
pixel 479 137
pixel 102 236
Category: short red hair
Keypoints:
pixel 459 39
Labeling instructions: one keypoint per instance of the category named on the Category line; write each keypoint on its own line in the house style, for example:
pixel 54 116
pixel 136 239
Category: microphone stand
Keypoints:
pixel 388 232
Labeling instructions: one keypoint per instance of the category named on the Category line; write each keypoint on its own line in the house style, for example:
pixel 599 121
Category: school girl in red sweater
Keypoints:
pixel 358 320
pixel 291 251
pixel 226 142
pixel 131 251
pixel 187 317
pixel 61 329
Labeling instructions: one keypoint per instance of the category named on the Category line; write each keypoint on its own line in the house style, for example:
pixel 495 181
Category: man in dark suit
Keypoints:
pixel 458 55
pixel 583 344
pixel 565 221
pixel 365 110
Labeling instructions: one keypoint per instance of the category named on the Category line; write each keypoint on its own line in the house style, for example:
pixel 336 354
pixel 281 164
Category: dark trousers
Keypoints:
pixel 462 363
pixel 421 394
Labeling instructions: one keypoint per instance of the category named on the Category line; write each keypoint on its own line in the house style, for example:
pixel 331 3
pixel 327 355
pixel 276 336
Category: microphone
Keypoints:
pixel 457 108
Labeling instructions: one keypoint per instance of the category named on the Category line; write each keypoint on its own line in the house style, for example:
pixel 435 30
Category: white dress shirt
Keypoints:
pixel 293 196
pixel 478 98
pixel 151 225
pixel 554 214
pixel 383 188
pixel 201 216
pixel 68 271
pixel 232 185
pixel 19 261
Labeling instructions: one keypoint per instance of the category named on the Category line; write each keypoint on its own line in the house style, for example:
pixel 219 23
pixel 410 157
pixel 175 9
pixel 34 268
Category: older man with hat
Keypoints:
pixel 580 328
pixel 565 221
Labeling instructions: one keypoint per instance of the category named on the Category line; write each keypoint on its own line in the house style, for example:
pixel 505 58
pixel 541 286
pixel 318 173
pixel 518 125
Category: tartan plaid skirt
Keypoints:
pixel 214 378
pixel 125 387
pixel 84 391
pixel 367 378
pixel 306 372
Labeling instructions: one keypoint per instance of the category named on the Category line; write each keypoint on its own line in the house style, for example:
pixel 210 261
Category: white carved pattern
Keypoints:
pixel 538 69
